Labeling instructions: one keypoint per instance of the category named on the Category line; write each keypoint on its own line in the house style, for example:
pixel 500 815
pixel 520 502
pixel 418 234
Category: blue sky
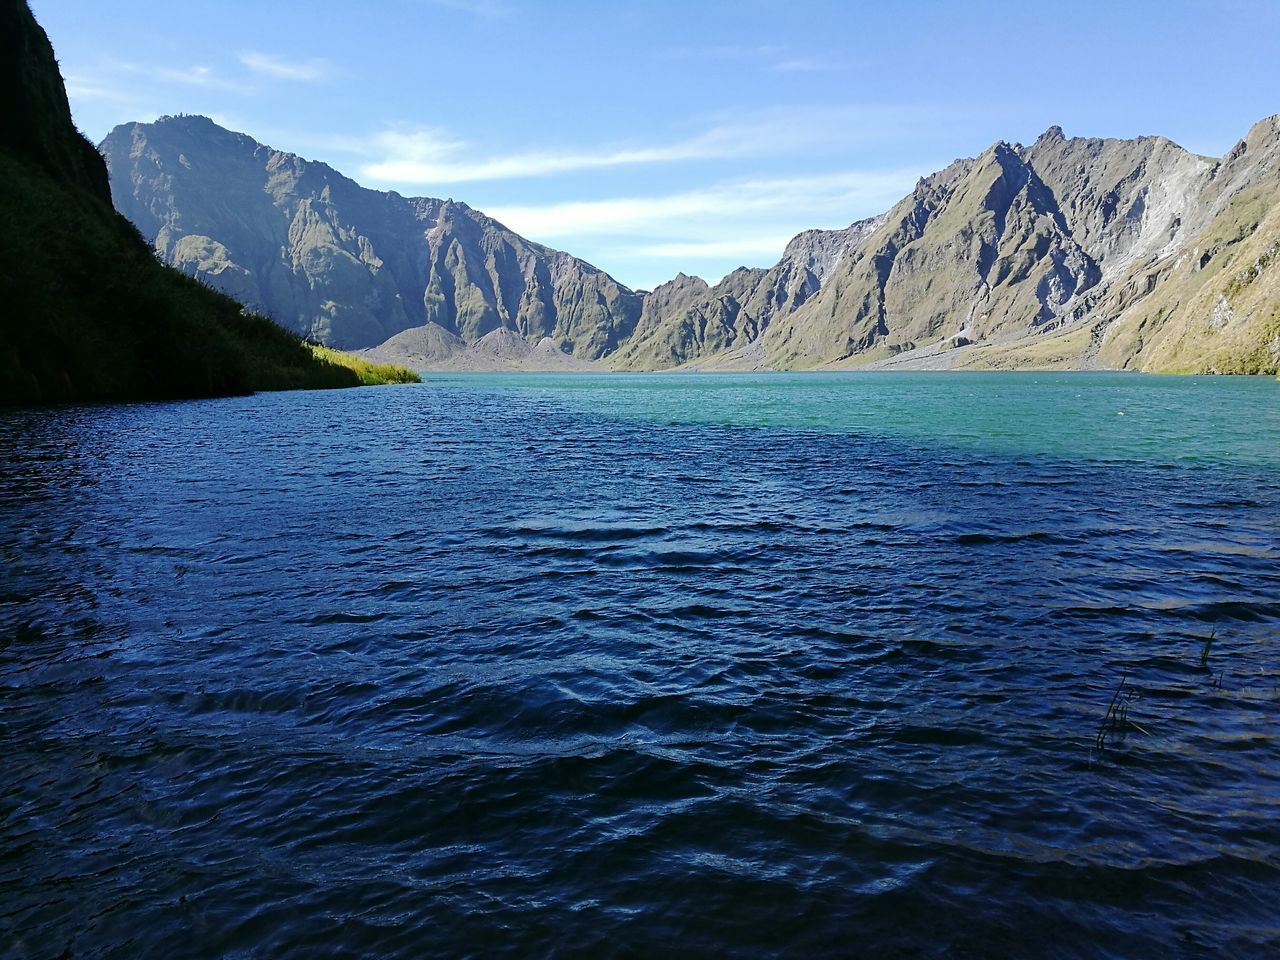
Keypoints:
pixel 655 137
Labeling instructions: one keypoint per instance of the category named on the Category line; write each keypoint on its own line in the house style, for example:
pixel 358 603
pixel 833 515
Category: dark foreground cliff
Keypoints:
pixel 86 311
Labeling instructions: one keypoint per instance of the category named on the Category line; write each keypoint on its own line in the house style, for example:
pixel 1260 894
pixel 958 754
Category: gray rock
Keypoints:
pixel 342 264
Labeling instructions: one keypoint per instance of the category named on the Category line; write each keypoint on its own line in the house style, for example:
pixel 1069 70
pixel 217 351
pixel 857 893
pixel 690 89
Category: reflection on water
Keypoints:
pixel 613 665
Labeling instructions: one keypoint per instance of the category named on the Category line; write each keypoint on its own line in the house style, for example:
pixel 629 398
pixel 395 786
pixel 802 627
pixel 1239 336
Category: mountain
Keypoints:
pixel 685 320
pixel 432 347
pixel 1068 253
pixel 88 312
pixel 345 265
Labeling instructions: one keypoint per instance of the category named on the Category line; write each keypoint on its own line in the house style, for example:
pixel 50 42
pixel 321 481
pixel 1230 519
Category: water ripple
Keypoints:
pixel 608 667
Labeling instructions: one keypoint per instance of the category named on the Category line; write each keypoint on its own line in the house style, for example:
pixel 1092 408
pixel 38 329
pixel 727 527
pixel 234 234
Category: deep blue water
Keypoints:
pixel 624 666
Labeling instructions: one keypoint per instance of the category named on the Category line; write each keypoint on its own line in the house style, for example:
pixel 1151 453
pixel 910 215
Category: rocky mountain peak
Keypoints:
pixel 345 265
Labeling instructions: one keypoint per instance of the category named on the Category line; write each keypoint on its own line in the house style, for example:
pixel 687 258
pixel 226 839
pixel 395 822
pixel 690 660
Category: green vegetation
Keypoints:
pixel 1204 651
pixel 90 314
pixel 371 374
pixel 1116 722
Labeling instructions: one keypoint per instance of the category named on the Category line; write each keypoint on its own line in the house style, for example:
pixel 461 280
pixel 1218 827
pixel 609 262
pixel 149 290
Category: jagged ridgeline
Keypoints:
pixel 349 266
pixel 87 311
pixel 1069 253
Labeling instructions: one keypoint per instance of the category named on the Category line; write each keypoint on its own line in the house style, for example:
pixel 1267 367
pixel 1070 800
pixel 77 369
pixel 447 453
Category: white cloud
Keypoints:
pixel 430 156
pixel 85 87
pixel 434 156
pixel 768 245
pixel 714 214
pixel 196 76
pixel 771 57
pixel 269 65
pixel 726 51
pixel 120 82
pixel 643 239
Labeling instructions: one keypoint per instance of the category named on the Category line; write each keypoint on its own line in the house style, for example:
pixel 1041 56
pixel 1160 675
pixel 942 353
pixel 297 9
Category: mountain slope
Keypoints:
pixel 1070 253
pixel 346 265
pixel 685 320
pixel 88 313
pixel 1201 293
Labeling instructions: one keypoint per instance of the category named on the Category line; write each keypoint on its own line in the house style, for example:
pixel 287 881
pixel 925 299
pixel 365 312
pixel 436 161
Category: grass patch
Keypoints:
pixel 371 374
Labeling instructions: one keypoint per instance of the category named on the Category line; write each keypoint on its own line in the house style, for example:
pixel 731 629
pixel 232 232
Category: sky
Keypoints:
pixel 651 138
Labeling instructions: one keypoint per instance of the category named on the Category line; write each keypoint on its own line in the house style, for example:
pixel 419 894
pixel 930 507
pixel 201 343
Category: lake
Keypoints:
pixel 929 665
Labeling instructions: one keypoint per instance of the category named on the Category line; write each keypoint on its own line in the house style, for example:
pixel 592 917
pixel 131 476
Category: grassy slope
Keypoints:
pixel 88 313
pixel 1221 316
pixel 1214 308
pixel 370 374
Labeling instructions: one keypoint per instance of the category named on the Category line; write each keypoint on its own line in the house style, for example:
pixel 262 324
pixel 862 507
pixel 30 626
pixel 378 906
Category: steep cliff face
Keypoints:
pixel 1189 252
pixel 87 312
pixel 1070 253
pixel 345 265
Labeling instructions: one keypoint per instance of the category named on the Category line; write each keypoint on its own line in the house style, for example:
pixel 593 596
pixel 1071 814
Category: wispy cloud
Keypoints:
pixel 712 229
pixel 726 51
pixel 771 57
pixel 269 65
pixel 690 215
pixel 196 76
pixel 765 246
pixel 121 82
pixel 434 156
pixel 81 86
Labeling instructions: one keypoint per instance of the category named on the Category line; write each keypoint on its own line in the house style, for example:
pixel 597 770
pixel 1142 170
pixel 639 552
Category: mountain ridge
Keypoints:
pixel 1036 255
pixel 341 263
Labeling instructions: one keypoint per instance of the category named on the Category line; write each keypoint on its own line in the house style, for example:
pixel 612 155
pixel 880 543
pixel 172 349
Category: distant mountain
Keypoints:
pixel 345 265
pixel 432 347
pixel 1069 253
pixel 685 320
pixel 87 311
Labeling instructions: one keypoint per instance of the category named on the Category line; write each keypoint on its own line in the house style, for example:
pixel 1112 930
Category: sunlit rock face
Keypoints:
pixel 349 266
pixel 1068 253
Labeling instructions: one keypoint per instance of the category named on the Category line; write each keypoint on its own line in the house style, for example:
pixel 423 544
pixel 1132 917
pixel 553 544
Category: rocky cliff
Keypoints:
pixel 346 265
pixel 1069 253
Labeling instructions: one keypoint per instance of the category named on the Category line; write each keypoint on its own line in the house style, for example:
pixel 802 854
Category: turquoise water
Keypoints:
pixel 625 666
pixel 1094 416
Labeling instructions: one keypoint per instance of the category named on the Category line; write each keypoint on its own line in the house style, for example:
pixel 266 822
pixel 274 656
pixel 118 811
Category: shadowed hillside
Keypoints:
pixel 88 313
